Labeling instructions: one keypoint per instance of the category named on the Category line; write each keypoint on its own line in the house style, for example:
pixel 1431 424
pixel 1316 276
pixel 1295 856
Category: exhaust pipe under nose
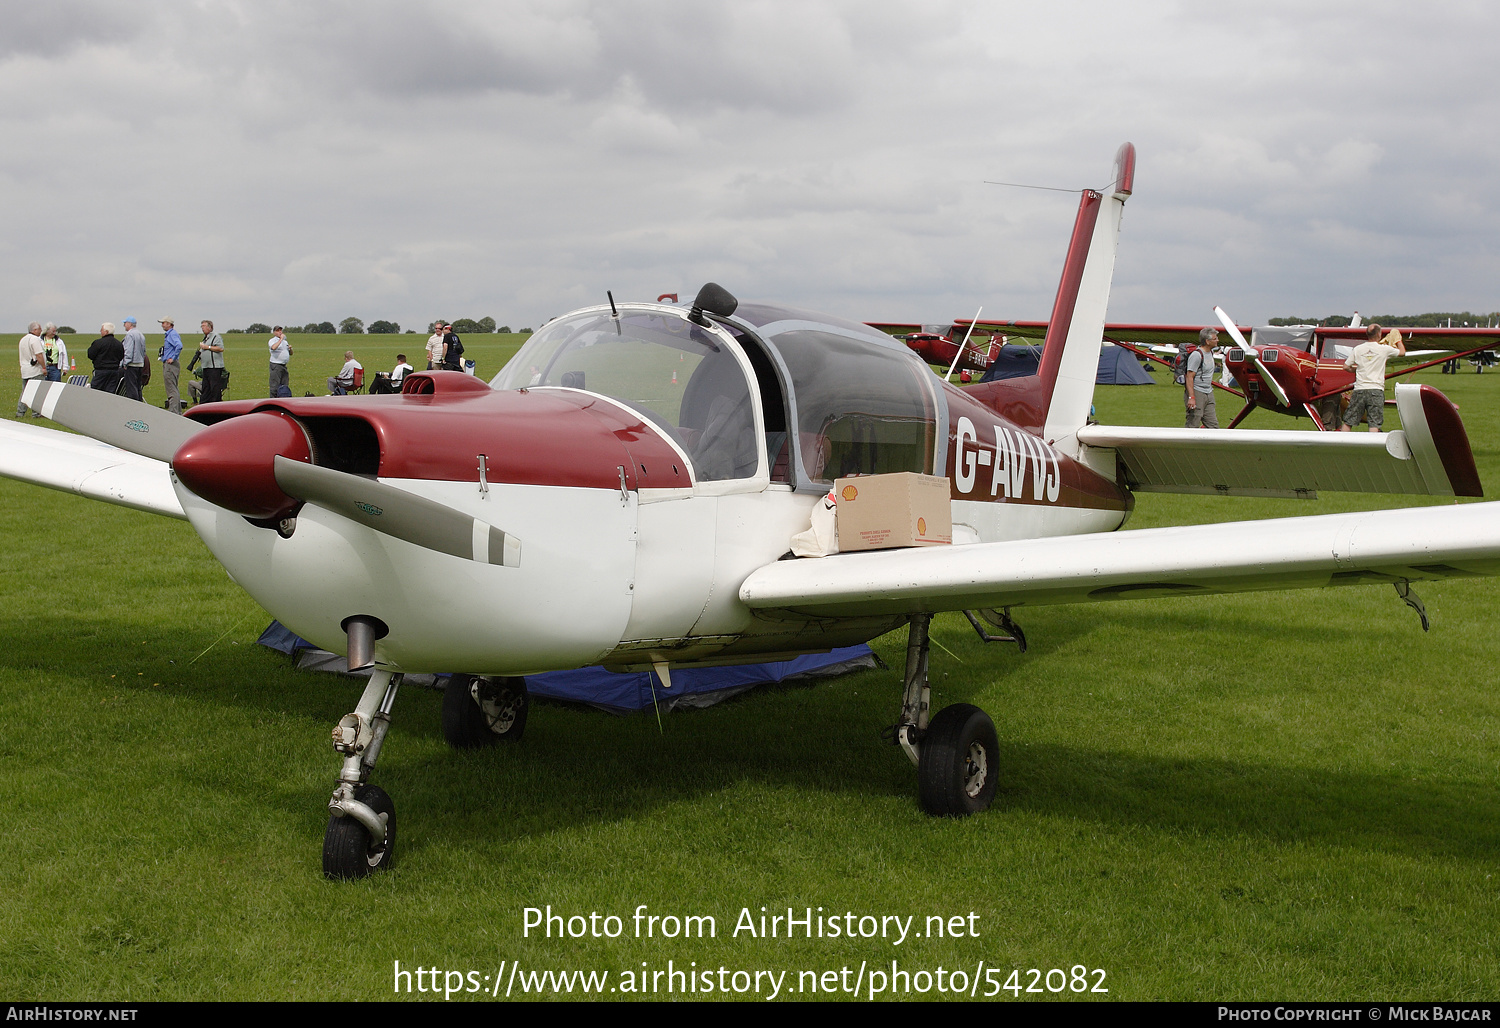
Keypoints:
pixel 362 631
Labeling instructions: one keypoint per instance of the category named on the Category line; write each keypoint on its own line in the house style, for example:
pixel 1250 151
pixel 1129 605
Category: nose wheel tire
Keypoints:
pixel 957 767
pixel 348 850
pixel 483 711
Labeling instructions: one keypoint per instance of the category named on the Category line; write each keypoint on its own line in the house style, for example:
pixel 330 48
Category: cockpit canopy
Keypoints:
pixel 861 402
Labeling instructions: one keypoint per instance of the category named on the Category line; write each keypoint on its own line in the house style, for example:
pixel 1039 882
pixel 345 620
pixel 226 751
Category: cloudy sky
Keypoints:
pixel 297 161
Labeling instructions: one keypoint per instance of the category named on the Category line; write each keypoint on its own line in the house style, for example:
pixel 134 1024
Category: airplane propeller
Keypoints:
pixel 396 512
pixel 1254 355
pixel 230 466
pixel 117 420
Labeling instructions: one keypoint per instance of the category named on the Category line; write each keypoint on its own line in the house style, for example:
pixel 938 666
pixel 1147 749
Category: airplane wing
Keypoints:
pixel 78 464
pixel 1172 336
pixel 1414 544
pixel 1429 456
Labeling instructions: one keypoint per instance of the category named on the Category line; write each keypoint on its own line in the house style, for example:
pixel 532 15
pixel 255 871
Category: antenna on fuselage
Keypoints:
pixel 614 312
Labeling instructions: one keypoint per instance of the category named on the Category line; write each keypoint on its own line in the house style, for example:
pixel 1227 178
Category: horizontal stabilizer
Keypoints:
pixel 77 464
pixel 1412 544
pixel 1430 456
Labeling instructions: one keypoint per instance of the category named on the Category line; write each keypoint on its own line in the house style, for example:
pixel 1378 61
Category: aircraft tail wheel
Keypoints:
pixel 348 849
pixel 483 711
pixel 957 769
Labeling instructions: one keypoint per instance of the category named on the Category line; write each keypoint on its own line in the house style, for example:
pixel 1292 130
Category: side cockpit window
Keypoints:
pixel 861 409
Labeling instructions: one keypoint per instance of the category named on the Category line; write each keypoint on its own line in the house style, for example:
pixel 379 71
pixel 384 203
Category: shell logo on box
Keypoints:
pixel 887 511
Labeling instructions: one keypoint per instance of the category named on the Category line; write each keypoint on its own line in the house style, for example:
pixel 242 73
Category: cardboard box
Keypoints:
pixel 878 512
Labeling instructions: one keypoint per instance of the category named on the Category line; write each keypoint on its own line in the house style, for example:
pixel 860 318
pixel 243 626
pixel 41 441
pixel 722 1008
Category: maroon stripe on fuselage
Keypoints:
pixel 1004 463
pixel 528 437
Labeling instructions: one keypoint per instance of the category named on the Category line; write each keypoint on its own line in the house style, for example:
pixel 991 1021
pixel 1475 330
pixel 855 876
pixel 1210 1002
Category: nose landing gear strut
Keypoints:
pixel 361 833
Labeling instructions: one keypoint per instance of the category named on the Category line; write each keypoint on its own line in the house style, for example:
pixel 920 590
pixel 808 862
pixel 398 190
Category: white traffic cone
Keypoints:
pixel 674 378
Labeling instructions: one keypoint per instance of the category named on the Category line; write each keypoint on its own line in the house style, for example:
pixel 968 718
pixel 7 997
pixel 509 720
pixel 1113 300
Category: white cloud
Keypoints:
pixel 280 160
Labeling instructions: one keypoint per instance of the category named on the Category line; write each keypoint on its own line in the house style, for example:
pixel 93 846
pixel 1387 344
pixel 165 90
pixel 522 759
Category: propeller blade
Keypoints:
pixel 117 420
pixel 398 513
pixel 1231 327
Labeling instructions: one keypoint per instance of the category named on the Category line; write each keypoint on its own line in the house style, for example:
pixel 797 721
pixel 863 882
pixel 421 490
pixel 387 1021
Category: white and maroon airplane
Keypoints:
pixel 622 493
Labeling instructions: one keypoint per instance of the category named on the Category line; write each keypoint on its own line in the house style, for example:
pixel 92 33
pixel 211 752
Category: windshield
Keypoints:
pixel 686 380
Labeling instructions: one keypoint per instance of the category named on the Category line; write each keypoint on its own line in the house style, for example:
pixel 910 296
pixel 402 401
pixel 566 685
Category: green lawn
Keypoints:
pixel 1273 796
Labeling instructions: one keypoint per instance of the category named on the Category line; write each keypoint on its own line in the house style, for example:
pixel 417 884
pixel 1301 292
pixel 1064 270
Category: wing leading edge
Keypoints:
pixel 1412 544
pixel 77 464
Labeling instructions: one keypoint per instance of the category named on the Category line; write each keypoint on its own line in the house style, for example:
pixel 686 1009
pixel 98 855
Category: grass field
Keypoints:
pixel 1273 796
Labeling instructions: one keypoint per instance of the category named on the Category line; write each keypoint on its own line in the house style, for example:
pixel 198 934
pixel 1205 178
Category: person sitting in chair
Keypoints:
pixel 341 383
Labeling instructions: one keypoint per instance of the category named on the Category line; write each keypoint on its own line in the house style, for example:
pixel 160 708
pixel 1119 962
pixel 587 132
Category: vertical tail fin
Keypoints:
pixel 1058 398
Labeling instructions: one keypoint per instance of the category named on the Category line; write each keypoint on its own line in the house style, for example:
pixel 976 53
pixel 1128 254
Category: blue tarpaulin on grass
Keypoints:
pixel 625 692
pixel 1117 365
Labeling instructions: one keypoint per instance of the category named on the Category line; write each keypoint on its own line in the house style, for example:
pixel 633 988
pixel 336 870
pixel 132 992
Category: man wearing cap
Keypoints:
pixel 211 349
pixel 281 353
pixel 171 365
pixel 135 360
pixel 1198 382
pixel 33 362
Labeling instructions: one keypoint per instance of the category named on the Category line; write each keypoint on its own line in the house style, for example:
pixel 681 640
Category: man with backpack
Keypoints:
pixel 1198 382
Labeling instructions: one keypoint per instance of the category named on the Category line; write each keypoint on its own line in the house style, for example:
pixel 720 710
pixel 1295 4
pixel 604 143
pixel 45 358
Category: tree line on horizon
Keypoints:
pixel 355 326
pixel 1433 319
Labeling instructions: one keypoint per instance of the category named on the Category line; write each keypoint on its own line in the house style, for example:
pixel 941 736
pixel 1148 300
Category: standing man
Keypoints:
pixel 106 352
pixel 1198 382
pixel 33 362
pixel 281 352
pixel 171 365
pixel 435 345
pixel 211 349
pixel 453 350
pixel 1368 364
pixel 135 360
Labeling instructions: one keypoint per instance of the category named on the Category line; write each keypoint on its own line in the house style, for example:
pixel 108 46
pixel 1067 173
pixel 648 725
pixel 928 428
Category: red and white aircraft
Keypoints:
pixel 1296 370
pixel 580 509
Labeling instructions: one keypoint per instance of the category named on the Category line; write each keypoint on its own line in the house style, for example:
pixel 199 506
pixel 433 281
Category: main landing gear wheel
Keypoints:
pixel 957 773
pixel 483 711
pixel 349 851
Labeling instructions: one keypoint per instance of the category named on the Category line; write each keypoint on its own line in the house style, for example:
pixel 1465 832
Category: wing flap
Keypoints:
pixel 1411 544
pixel 77 464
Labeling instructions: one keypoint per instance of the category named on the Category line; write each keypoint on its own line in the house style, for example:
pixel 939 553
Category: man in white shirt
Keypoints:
pixel 400 371
pixel 341 383
pixel 281 353
pixel 435 345
pixel 1368 364
pixel 33 353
